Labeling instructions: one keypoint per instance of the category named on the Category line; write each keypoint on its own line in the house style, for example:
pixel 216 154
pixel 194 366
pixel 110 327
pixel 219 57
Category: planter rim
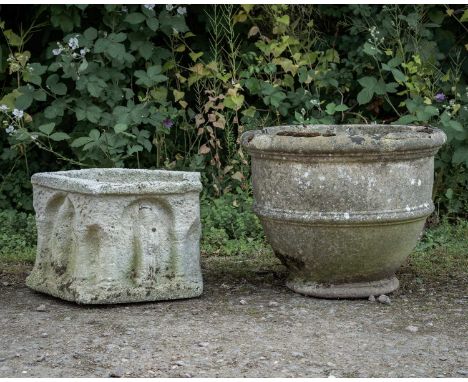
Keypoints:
pixel 120 181
pixel 348 140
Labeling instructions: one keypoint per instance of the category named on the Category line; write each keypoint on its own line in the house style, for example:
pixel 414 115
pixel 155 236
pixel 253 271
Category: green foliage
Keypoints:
pixel 229 225
pixel 174 87
pixel 442 252
pixel 17 236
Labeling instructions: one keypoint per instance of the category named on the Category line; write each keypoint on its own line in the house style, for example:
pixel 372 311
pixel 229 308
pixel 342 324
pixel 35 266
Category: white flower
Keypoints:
pixel 149 6
pixel 10 129
pixel 169 7
pixel 84 51
pixel 124 9
pixel 181 10
pixel 57 51
pixel 315 102
pixel 18 113
pixel 3 107
pixel 73 43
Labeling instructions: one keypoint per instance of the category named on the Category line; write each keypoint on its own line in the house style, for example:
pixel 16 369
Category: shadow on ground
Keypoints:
pixel 246 324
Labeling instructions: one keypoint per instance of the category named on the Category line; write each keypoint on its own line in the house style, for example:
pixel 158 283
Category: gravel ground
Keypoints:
pixel 246 324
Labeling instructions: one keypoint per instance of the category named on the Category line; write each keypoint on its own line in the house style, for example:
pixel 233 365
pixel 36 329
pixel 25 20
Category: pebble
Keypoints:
pixel 384 299
pixel 44 335
pixel 179 363
pixel 297 354
pixel 443 358
pixel 117 373
pixel 41 308
pixel 462 372
pixel 5 283
pixel 371 298
pixel 411 328
pixel 243 302
pixel 203 344
pixel 273 303
pixel 40 358
pixel 67 318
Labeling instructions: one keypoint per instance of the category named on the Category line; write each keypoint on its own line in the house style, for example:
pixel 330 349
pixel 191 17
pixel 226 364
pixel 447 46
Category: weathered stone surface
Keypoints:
pixel 117 235
pixel 343 206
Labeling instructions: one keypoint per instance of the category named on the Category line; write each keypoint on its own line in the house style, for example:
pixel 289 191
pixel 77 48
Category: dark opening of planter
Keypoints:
pixel 304 134
pixel 426 130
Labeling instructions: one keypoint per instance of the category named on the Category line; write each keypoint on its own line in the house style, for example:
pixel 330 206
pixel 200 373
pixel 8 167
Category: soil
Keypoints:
pixel 246 324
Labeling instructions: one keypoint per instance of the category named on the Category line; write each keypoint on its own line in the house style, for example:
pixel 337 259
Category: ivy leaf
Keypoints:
pixel 283 20
pixel 464 17
pixel 120 127
pixel 234 101
pixel 93 114
pixel 370 86
pixel 153 23
pixel 101 45
pixel 56 87
pixel 178 95
pixel 371 50
pixel 81 141
pixel 135 18
pixel 12 38
pixel 118 37
pixel 195 56
pixel 330 109
pixel 460 155
pixel 341 107
pixel 146 50
pixel 90 34
pixel 59 136
pixel 40 95
pixel 406 120
pixel 24 101
pixel 33 75
pixel 364 96
pixel 94 134
pixel 47 128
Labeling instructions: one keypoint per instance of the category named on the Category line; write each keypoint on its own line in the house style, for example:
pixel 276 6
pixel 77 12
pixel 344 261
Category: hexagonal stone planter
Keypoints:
pixel 343 206
pixel 117 235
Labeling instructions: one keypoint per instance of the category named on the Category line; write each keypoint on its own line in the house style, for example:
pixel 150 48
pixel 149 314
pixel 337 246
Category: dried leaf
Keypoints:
pixel 227 169
pixel 212 117
pixel 204 149
pixel 253 31
pixel 199 120
pixel 220 123
pixel 238 176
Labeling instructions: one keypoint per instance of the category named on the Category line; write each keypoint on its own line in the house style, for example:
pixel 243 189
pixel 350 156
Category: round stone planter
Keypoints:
pixel 343 206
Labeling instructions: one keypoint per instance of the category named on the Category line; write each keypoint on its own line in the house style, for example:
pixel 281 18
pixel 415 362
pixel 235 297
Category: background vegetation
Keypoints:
pixel 164 86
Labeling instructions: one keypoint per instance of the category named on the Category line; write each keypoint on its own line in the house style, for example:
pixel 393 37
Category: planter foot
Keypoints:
pixel 348 290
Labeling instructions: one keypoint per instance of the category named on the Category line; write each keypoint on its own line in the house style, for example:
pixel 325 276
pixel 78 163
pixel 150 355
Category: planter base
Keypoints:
pixel 348 290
